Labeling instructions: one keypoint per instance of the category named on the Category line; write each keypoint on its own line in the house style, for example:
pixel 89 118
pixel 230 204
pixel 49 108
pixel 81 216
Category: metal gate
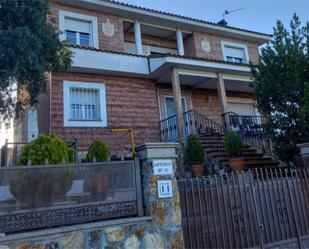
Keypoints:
pixel 258 208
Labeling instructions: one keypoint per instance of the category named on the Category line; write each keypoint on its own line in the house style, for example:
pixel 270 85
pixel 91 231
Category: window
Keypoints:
pixel 78 29
pixel 84 104
pixel 234 52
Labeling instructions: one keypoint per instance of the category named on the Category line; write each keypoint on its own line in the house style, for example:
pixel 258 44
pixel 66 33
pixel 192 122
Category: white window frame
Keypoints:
pixel 81 17
pixel 67 122
pixel 225 44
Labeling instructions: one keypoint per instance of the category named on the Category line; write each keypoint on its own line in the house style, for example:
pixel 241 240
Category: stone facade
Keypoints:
pixel 193 46
pixel 131 103
pixel 113 43
pixel 160 229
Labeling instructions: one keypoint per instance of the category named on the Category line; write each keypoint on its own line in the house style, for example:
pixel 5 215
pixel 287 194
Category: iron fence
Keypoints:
pixel 33 197
pixel 245 210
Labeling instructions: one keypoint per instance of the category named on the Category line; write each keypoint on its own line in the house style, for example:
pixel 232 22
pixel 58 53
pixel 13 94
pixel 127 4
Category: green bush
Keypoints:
pixel 97 150
pixel 194 153
pixel 233 144
pixel 46 147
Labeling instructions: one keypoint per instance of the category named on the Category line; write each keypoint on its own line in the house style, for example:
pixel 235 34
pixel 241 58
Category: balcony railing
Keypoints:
pixel 251 129
pixel 33 197
pixel 194 123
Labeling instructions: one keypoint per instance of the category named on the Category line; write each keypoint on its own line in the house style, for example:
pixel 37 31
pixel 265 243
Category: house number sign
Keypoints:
pixel 162 167
pixel 165 188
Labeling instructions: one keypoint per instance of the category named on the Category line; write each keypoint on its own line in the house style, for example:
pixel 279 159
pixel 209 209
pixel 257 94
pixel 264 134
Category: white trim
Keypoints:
pixel 236 45
pixel 240 100
pixel 93 19
pixel 66 104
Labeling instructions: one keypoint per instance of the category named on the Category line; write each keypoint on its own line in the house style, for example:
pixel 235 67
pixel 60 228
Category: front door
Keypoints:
pixel 170 111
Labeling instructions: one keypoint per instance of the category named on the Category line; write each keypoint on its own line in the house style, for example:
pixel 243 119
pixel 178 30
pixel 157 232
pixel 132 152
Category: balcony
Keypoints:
pixel 86 59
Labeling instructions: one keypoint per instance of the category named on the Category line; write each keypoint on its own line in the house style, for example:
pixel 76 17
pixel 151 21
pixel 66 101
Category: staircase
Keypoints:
pixel 256 152
pixel 214 147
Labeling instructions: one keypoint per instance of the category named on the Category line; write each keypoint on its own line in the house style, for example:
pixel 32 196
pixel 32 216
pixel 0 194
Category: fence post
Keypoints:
pixel 6 153
pixel 160 190
pixel 304 152
pixel 140 208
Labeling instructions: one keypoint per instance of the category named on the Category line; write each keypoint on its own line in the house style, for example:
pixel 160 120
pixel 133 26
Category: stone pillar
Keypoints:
pixel 304 152
pixel 181 50
pixel 164 211
pixel 138 38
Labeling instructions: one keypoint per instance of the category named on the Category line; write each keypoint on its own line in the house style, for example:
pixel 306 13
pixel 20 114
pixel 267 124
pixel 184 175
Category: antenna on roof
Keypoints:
pixel 227 12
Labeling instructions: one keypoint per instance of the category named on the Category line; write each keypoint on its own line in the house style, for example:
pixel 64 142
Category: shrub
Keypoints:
pixel 97 150
pixel 233 144
pixel 46 147
pixel 194 153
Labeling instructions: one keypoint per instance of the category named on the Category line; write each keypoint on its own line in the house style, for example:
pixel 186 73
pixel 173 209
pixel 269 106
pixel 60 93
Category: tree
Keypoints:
pixel 29 47
pixel 281 84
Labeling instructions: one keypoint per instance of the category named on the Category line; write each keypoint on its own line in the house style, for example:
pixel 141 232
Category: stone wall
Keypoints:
pixel 160 228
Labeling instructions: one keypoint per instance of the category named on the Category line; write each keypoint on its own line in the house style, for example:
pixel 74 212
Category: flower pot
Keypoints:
pixel 198 169
pixel 237 164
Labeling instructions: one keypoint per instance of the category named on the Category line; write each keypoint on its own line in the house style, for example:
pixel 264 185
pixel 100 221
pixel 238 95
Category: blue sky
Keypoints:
pixel 257 15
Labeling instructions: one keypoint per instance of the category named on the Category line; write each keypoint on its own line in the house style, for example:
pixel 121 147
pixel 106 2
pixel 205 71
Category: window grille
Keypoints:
pixel 84 104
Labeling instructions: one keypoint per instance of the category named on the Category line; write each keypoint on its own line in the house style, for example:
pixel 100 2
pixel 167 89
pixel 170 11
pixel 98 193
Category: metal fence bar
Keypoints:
pixel 138 186
pixel 260 210
pixel 293 209
pixel 219 209
pixel 256 211
pixel 200 207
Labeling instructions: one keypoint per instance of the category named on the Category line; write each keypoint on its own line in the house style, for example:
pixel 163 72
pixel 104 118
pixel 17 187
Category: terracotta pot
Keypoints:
pixel 100 183
pixel 237 164
pixel 198 169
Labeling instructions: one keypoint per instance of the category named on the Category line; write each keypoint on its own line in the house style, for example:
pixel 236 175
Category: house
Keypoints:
pixel 142 69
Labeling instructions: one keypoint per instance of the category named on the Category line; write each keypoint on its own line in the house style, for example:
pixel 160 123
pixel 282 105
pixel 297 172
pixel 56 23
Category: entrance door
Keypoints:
pixel 170 105
pixel 170 111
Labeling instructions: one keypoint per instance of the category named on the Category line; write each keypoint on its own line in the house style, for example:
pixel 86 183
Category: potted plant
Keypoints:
pixel 98 152
pixel 234 145
pixel 194 155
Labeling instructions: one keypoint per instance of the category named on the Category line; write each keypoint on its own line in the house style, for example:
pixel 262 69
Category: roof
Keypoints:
pixel 184 17
pixel 164 19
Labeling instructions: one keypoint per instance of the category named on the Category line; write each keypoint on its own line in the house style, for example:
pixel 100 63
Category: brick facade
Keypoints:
pixel 114 43
pixel 193 46
pixel 131 103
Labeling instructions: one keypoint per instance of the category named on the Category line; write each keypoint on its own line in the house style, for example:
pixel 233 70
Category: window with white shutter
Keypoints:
pixel 78 29
pixel 234 52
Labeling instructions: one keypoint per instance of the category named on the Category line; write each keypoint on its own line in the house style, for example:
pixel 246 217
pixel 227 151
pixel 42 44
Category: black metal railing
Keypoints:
pixel 168 129
pixel 194 123
pixel 244 123
pixel 251 129
pixel 33 197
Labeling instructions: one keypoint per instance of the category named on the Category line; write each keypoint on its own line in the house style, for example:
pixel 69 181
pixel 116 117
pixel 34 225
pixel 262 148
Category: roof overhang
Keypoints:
pixel 165 19
pixel 160 65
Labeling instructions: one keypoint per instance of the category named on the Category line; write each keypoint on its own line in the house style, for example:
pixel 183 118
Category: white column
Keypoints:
pixel 222 97
pixel 181 50
pixel 178 105
pixel 138 38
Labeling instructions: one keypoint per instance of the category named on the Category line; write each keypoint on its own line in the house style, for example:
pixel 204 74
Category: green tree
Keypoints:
pixel 281 83
pixel 29 47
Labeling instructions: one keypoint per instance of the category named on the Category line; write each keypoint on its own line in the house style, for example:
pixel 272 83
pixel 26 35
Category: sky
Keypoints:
pixel 257 15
